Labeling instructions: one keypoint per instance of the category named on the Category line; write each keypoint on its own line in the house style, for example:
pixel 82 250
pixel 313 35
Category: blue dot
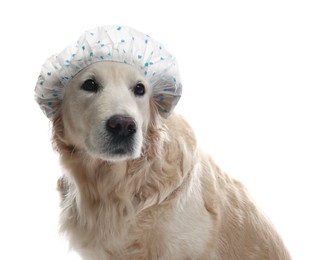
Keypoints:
pixel 145 73
pixel 83 47
pixel 118 28
pixel 122 41
pixel 49 73
pixel 91 54
pixel 101 57
pixel 92 34
pixel 139 57
pixel 102 45
pixel 161 99
pixel 109 54
pixel 146 64
pixel 165 110
pixel 161 58
pixel 50 104
pixel 146 41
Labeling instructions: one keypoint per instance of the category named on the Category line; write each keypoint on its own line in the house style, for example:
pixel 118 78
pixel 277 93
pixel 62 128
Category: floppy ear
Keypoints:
pixel 167 91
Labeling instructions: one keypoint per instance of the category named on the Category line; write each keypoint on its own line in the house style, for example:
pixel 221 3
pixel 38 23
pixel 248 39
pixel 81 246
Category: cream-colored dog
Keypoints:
pixel 137 186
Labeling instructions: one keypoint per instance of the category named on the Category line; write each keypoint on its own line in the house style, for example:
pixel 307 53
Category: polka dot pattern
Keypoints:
pixel 113 44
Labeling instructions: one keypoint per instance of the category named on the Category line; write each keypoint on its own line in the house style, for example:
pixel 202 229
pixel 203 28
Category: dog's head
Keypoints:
pixel 101 92
pixel 106 111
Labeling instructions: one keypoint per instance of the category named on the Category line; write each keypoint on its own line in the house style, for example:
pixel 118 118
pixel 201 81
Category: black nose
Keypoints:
pixel 121 126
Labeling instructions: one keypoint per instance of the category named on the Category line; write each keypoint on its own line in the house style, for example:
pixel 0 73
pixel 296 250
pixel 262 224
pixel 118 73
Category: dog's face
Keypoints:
pixel 106 111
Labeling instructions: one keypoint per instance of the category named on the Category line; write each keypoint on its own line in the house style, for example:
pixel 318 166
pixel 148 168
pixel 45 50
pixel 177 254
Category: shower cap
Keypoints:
pixel 110 44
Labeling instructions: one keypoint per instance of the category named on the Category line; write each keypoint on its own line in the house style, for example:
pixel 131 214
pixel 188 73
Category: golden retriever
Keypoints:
pixel 136 185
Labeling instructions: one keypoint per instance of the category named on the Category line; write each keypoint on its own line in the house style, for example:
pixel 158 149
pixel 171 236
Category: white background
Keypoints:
pixel 251 74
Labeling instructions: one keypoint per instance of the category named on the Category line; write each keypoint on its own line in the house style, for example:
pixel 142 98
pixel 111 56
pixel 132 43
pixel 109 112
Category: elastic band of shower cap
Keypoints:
pixel 114 44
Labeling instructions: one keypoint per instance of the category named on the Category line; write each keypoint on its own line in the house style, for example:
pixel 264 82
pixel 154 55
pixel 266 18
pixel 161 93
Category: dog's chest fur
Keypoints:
pixel 136 219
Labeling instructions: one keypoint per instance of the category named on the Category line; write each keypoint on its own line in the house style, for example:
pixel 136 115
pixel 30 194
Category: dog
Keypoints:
pixel 137 186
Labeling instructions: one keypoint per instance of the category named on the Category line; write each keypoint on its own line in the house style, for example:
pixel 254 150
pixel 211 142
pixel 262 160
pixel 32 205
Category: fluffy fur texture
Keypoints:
pixel 163 198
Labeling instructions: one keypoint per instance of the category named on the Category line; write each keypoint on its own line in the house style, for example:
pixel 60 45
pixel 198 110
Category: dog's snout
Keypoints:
pixel 121 125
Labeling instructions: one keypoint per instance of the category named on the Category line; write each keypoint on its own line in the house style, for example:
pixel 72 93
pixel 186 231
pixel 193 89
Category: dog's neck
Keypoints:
pixel 135 181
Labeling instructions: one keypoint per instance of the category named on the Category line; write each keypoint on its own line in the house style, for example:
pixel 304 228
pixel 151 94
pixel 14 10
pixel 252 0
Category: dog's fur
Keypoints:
pixel 163 198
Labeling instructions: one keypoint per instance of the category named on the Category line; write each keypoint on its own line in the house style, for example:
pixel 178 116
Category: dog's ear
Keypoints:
pixel 167 91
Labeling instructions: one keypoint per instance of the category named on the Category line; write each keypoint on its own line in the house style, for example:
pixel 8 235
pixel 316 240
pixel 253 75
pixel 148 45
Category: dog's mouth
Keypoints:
pixel 120 146
pixel 111 148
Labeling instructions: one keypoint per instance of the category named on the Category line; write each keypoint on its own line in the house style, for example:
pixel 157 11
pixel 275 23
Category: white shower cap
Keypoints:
pixel 117 44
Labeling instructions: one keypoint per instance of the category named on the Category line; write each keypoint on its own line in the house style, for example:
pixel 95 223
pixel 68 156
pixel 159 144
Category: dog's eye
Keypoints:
pixel 139 89
pixel 90 85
